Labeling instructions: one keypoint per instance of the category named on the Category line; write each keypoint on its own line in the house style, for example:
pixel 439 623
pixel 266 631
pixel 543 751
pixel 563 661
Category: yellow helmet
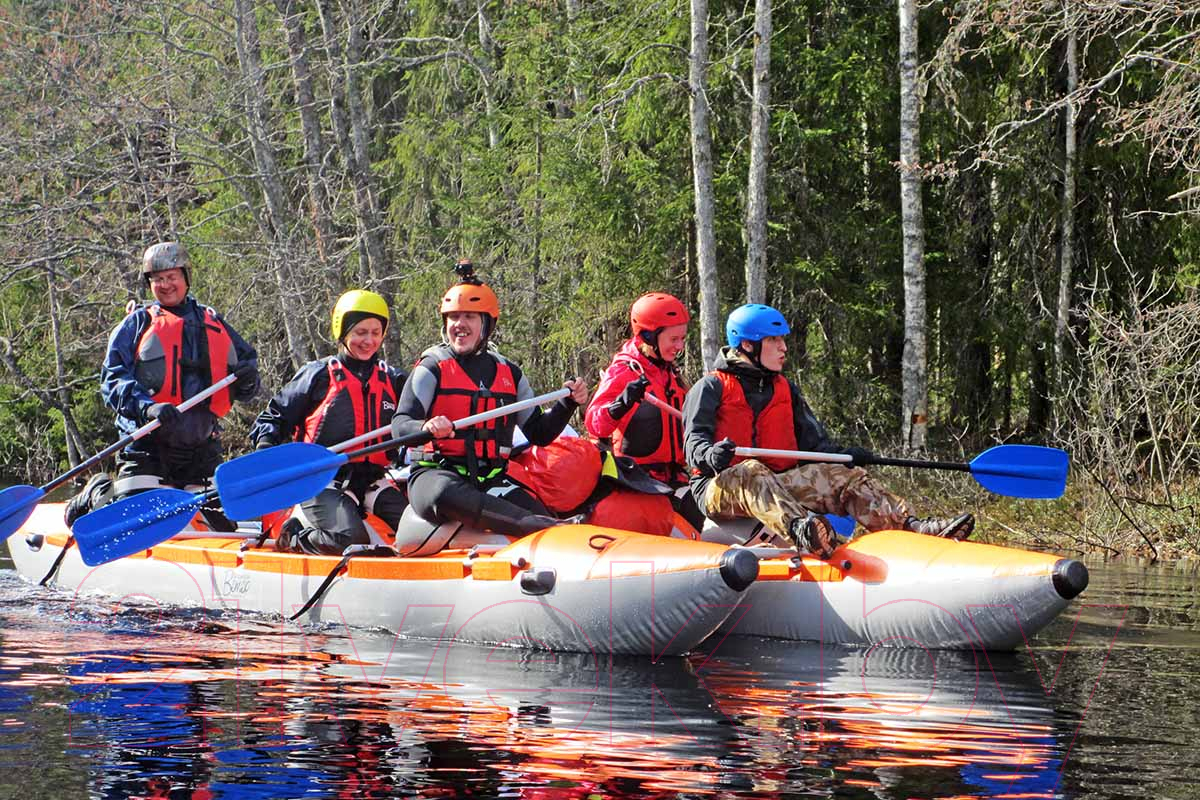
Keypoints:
pixel 353 306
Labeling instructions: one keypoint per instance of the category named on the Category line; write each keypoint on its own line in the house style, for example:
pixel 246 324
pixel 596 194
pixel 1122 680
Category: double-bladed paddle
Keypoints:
pixel 1014 470
pixel 248 486
pixel 18 502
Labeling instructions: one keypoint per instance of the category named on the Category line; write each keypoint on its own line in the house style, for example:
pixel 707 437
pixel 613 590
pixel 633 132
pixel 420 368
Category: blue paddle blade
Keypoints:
pixel 1022 470
pixel 277 477
pixel 134 524
pixel 16 504
pixel 844 526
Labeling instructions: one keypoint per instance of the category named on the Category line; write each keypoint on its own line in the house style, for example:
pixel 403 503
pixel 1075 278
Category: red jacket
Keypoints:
pixel 369 406
pixel 457 397
pixel 651 437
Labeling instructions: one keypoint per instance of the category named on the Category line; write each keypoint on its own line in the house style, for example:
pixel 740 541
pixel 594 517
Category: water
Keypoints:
pixel 97 701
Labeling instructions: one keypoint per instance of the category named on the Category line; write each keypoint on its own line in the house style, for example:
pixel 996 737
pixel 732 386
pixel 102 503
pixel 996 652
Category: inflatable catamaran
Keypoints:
pixel 585 588
pixel 573 588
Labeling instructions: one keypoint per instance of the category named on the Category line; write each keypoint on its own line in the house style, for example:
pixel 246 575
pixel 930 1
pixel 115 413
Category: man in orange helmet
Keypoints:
pixel 458 378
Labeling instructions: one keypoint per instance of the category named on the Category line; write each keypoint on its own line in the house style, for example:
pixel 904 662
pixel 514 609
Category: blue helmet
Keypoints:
pixel 753 323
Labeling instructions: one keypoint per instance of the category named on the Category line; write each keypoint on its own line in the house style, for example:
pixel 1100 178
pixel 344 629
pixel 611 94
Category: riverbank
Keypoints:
pixel 1087 519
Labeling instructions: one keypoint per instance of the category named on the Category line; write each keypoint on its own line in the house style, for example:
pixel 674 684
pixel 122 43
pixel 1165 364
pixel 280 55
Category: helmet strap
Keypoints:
pixel 650 340
pixel 754 353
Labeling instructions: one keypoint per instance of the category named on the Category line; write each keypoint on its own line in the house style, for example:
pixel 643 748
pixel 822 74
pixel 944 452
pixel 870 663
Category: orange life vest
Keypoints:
pixel 774 427
pixel 163 341
pixel 351 408
pixel 487 445
pixel 652 437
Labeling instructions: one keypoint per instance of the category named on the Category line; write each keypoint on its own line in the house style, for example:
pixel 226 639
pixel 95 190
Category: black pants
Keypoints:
pixel 442 495
pixel 140 470
pixel 336 521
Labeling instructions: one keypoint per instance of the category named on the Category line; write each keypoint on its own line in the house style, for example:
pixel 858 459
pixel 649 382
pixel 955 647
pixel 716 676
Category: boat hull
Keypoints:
pixel 572 588
pixel 903 589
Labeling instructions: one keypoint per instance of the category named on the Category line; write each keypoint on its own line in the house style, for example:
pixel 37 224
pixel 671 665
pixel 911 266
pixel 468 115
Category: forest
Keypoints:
pixel 980 217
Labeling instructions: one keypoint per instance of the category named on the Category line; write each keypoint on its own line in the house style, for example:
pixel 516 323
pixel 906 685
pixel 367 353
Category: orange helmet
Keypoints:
pixel 475 297
pixel 470 294
pixel 656 310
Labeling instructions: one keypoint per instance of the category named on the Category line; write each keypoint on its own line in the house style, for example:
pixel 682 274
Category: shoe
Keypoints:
pixel 813 534
pixel 97 492
pixel 956 528
pixel 285 540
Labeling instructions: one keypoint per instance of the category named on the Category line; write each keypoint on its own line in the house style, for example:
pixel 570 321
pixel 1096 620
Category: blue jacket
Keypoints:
pixel 124 395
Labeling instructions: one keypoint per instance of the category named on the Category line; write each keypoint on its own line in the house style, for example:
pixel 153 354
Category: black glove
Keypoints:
pixel 166 414
pixel 861 455
pixel 245 370
pixel 633 393
pixel 720 455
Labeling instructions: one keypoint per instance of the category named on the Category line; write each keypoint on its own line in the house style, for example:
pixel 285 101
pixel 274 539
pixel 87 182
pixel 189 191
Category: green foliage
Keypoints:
pixel 555 152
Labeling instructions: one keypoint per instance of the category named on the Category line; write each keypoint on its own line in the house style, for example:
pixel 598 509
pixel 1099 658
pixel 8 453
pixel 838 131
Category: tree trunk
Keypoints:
pixel 760 129
pixel 279 216
pixel 70 430
pixel 349 127
pixel 310 132
pixel 914 369
pixel 702 176
pixel 1067 239
pixel 487 71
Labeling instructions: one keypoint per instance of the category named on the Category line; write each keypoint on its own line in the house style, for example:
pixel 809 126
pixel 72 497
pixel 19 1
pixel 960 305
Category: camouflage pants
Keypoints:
pixel 751 489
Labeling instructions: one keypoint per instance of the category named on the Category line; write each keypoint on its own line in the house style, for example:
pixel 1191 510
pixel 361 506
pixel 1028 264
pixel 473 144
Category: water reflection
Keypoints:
pixel 131 702
pixel 913 722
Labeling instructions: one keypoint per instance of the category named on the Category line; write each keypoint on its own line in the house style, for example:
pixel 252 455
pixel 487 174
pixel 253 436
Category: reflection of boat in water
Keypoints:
pixel 901 589
pixel 373 715
pixel 969 724
pixel 574 587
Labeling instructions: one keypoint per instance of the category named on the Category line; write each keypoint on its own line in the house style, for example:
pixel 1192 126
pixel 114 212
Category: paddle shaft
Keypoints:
pixel 145 430
pixel 662 405
pixel 420 437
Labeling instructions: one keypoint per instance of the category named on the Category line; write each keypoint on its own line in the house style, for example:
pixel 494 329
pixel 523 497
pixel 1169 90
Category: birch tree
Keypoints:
pixel 914 392
pixel 1067 216
pixel 760 129
pixel 702 183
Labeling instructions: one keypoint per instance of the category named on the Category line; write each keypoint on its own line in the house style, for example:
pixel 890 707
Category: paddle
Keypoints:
pixel 1014 470
pixel 17 502
pixel 843 525
pixel 248 486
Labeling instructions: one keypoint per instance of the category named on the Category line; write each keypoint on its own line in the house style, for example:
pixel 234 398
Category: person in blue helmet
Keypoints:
pixel 746 401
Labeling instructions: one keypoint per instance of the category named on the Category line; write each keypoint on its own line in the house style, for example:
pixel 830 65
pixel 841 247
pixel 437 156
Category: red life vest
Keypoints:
pixel 651 436
pixel 774 427
pixel 348 400
pixel 489 444
pixel 163 341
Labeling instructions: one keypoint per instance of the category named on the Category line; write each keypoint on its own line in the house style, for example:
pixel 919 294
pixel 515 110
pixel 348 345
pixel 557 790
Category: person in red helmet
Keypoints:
pixel 460 474
pixel 620 413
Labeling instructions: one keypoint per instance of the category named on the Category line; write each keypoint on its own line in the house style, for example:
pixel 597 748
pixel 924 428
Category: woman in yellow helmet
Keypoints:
pixel 329 401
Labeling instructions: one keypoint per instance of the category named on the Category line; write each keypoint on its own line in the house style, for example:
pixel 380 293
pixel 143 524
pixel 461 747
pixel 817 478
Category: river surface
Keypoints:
pixel 116 702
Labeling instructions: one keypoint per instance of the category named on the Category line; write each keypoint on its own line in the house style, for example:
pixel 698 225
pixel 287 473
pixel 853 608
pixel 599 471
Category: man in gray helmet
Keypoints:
pixel 161 354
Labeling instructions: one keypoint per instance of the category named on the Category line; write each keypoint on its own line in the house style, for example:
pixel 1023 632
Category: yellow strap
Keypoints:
pixel 608 466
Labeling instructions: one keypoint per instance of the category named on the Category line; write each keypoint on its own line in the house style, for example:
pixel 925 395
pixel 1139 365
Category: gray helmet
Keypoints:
pixel 164 256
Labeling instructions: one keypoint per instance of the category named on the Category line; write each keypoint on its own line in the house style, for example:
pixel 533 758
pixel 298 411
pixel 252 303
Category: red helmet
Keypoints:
pixel 656 310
